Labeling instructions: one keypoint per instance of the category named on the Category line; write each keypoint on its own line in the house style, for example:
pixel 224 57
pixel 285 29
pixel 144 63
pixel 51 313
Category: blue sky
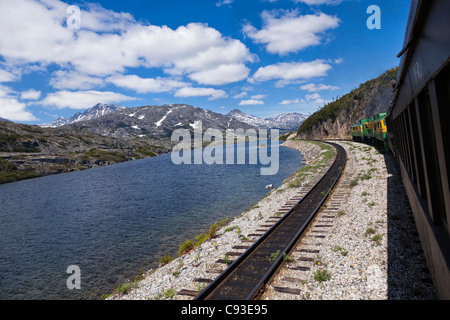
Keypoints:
pixel 264 57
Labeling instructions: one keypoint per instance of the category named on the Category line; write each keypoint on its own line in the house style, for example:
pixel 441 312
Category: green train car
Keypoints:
pixel 357 132
pixel 372 130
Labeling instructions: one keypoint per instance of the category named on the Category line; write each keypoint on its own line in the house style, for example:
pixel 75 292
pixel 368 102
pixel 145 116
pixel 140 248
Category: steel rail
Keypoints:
pixel 208 293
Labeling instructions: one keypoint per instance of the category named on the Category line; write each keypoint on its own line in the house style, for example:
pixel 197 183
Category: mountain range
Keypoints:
pixel 156 122
pixel 96 111
pixel 161 121
pixel 285 121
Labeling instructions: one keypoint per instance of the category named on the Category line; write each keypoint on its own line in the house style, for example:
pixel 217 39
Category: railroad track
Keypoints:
pixel 247 276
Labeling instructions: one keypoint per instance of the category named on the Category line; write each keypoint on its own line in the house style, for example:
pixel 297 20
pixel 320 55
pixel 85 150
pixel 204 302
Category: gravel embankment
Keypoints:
pixel 382 260
pixel 372 251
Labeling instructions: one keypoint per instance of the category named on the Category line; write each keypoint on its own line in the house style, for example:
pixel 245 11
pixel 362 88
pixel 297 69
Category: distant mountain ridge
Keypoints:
pixel 4 120
pixel 157 121
pixel 160 121
pixel 96 111
pixel 285 121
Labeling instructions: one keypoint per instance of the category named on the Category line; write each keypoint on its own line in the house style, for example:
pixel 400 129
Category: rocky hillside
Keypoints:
pixel 335 119
pixel 31 151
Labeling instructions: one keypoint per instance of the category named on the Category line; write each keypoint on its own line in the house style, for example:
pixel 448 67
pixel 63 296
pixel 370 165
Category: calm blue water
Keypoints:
pixel 114 221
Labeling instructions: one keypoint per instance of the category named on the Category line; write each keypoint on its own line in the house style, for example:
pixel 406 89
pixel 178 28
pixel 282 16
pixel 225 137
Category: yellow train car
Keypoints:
pixel 357 132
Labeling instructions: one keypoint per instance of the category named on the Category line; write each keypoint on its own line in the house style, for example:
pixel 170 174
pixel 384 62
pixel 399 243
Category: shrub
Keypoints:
pixel 190 244
pixel 377 238
pixel 322 275
pixel 186 246
pixel 163 260
pixel 170 293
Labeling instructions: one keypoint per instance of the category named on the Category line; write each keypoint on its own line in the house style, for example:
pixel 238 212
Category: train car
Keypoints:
pixel 381 130
pixel 357 132
pixel 417 132
pixel 380 127
pixel 372 130
pixel 367 129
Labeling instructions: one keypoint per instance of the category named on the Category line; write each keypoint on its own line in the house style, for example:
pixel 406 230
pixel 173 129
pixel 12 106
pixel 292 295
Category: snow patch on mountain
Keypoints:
pixel 159 123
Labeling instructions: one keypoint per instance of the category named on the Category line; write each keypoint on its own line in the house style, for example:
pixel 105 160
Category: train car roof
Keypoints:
pixel 409 39
pixel 426 48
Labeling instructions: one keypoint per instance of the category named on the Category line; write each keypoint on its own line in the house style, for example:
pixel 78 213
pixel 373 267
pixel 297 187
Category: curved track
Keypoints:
pixel 248 274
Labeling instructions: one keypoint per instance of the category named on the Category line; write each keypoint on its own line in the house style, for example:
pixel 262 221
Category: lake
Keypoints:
pixel 114 221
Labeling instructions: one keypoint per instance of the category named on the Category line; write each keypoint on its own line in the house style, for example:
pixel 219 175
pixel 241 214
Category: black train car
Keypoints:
pixel 419 132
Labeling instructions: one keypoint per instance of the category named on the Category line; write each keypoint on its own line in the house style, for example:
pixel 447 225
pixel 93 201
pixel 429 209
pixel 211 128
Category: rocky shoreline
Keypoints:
pixel 389 267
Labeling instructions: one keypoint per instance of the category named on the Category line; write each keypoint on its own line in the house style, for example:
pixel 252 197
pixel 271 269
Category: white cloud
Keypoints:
pixel 35 32
pixel 251 102
pixel 99 19
pixel 145 85
pixel 295 101
pixel 312 87
pixel 201 92
pixel 315 98
pixel 6 76
pixel 223 74
pixel 11 108
pixel 292 71
pixel 14 110
pixel 259 96
pixel 31 32
pixel 319 2
pixel 30 94
pixel 240 95
pixel 83 99
pixel 74 80
pixel 223 2
pixel 287 31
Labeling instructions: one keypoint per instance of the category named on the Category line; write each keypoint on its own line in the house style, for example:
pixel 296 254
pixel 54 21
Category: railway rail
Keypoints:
pixel 247 276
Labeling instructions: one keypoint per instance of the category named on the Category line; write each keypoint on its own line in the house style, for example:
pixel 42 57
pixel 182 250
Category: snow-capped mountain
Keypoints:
pixel 285 121
pixel 96 111
pixel 161 121
pixel 290 121
pixel 249 119
pixel 158 121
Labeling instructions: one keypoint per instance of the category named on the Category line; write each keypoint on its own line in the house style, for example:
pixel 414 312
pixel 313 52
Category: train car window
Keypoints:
pixel 417 152
pixel 443 95
pixel 436 201
pixel 405 135
pixel 410 143
pixel 402 140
